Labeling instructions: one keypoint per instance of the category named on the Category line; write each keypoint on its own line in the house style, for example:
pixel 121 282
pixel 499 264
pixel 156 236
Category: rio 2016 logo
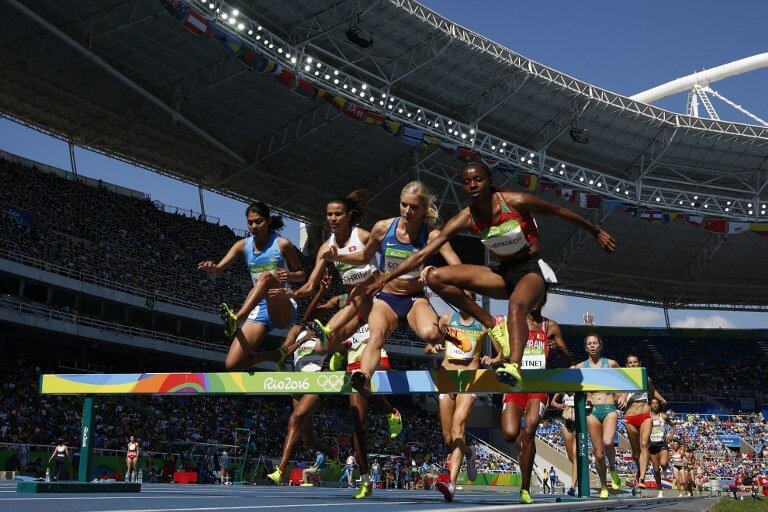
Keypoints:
pixel 286 384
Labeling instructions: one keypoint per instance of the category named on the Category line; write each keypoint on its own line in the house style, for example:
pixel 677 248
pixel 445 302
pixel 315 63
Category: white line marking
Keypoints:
pixel 136 497
pixel 261 507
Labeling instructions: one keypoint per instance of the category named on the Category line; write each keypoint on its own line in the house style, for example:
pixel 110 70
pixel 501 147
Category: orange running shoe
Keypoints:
pixel 459 338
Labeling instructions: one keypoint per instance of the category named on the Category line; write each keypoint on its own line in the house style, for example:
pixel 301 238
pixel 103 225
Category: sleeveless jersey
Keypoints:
pixel 536 348
pixel 657 430
pixel 61 452
pixel 352 274
pixel 305 359
pixel 568 399
pixel 133 447
pixel 676 458
pixel 394 252
pixel 474 331
pixel 510 233
pixel 357 344
pixel 268 260
pixel 603 364
pixel 641 396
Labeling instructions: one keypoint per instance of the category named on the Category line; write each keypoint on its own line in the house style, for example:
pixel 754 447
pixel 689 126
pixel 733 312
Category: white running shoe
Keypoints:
pixel 661 494
pixel 471 467
pixel 446 489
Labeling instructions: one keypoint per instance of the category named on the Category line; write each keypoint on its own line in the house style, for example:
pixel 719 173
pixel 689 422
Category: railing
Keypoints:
pixel 175 210
pixel 96 280
pixel 25 308
pixel 495 451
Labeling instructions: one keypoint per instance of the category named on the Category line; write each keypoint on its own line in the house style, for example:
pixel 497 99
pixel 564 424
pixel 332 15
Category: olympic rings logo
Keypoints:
pixel 330 382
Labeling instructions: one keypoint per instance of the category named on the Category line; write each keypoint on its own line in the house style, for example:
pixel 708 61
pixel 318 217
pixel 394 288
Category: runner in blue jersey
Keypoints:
pixel 272 262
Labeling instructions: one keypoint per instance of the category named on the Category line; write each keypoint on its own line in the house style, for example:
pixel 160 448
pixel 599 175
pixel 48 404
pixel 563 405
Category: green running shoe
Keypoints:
pixel 509 374
pixel 229 318
pixel 281 362
pixel 337 359
pixel 276 477
pixel 499 333
pixel 615 480
pixel 395 422
pixel 323 332
pixel 525 497
pixel 365 490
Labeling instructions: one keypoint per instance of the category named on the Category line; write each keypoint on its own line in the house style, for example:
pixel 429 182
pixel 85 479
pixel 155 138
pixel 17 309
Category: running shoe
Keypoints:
pixel 229 318
pixel 395 422
pixel 571 492
pixel 509 374
pixel 641 484
pixel 276 477
pixel 499 333
pixel 661 494
pixel 303 484
pixel 281 362
pixel 446 489
pixel 337 359
pixel 471 467
pixel 525 497
pixel 365 491
pixel 604 494
pixel 615 480
pixel 459 338
pixel 323 332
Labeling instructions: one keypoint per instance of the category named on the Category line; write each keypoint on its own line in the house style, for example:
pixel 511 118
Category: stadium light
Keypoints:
pixel 240 26
pixel 250 32
pixel 235 12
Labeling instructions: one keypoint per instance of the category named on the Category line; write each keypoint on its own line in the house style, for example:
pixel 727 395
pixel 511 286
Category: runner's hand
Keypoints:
pixel 375 288
pixel 330 254
pixel 282 275
pixel 209 268
pixel 605 241
pixel 437 349
pixel 285 292
pixel 488 361
pixel 423 276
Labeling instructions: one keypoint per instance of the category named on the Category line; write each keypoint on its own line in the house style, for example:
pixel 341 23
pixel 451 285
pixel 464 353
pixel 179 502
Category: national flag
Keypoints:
pixel 468 154
pixel 547 185
pixel 759 228
pixel 429 139
pixel 232 44
pixel 337 101
pixel 304 88
pixel 629 209
pixel 355 111
pixel 176 8
pixel 284 76
pixel 528 181
pixel 612 204
pixel 196 23
pixel 672 216
pixel 696 220
pixel 591 201
pixel 449 147
pixel 737 227
pixel 716 225
pixel 252 59
pixel 374 118
pixel 569 194
pixel 392 127
pixel 411 136
pixel 652 215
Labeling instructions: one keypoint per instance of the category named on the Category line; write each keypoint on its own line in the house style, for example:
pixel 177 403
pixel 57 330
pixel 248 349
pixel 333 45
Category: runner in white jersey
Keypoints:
pixel 455 408
pixel 658 447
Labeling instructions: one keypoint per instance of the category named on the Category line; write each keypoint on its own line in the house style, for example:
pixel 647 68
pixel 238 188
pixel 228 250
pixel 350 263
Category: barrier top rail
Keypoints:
pixel 333 383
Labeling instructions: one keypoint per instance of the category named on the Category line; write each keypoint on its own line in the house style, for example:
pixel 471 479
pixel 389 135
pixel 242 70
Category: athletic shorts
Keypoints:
pixel 655 448
pixel 260 315
pixel 522 399
pixel 513 271
pixel 400 304
pixel 601 411
pixel 570 425
pixel 637 419
pixel 384 362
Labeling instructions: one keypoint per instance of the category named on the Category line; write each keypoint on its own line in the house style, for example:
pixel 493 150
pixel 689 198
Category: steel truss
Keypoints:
pixel 375 94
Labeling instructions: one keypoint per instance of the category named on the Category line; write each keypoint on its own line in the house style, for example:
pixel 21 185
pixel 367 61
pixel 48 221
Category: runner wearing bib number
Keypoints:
pixel 455 408
pixel 543 334
pixel 637 420
pixel 272 262
pixel 504 221
pixel 604 419
pixel 565 402
pixel 658 448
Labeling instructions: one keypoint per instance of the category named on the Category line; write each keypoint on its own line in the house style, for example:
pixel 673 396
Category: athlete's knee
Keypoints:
pixel 510 433
pixel 643 446
pixel 434 278
pixel 457 431
pixel 268 278
pixel 232 363
pixel 447 438
pixel 599 452
pixel 430 333
pixel 517 308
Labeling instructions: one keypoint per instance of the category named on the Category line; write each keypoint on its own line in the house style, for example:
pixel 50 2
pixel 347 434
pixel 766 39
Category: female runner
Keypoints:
pixel 658 447
pixel 131 457
pixel 604 419
pixel 504 221
pixel 455 408
pixel 272 262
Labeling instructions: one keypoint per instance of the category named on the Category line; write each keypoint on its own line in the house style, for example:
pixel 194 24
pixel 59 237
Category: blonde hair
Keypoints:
pixel 431 215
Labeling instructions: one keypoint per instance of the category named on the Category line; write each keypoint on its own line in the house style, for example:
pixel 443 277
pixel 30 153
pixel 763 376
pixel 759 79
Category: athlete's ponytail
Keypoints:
pixel 354 203
pixel 431 214
pixel 262 210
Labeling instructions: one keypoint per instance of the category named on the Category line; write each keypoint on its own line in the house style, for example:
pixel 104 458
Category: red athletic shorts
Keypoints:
pixel 522 399
pixel 384 363
pixel 637 419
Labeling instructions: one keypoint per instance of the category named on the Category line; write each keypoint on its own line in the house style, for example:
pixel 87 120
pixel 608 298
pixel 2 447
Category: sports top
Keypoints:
pixel 536 349
pixel 394 252
pixel 268 260
pixel 511 232
pixel 352 274
pixel 305 359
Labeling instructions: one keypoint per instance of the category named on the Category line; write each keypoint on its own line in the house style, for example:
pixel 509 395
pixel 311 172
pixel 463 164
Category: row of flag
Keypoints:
pixel 200 25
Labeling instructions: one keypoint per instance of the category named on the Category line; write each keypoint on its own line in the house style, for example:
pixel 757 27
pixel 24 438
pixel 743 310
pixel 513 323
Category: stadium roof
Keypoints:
pixel 127 79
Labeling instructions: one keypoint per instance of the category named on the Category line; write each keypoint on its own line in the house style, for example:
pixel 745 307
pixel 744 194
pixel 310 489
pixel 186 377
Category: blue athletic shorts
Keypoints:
pixel 400 304
pixel 260 315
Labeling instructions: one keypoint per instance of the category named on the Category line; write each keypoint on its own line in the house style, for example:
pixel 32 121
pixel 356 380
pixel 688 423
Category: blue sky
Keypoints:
pixel 620 46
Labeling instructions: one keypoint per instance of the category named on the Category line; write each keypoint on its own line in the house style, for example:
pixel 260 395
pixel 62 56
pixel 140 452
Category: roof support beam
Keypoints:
pixel 127 81
pixel 711 245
